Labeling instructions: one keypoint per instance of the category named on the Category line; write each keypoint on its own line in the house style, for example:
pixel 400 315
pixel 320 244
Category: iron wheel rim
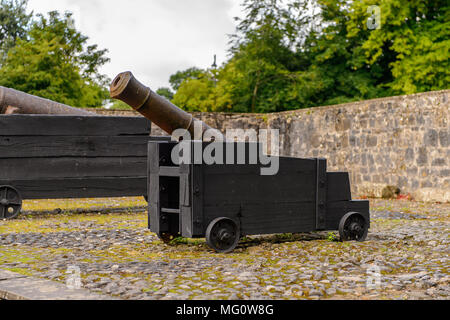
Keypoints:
pixel 10 202
pixel 223 235
pixel 353 227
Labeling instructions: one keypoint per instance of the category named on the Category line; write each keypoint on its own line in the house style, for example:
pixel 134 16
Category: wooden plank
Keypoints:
pixel 154 221
pixel 58 168
pixel 238 189
pixel 80 188
pixel 336 210
pixel 186 221
pixel 321 194
pixel 268 218
pixel 198 193
pixel 60 125
pixel 169 171
pixel 173 211
pixel 290 166
pixel 338 187
pixel 278 218
pixel 76 146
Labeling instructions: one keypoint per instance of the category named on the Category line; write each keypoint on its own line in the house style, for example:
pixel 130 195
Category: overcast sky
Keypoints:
pixel 152 38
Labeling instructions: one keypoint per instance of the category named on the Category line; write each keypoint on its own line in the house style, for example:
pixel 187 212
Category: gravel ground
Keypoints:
pixel 405 257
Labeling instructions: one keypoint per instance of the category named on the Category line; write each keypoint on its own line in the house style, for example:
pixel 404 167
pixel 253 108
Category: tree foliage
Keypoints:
pixel 412 42
pixel 189 74
pixel 165 92
pixel 14 22
pixel 302 53
pixel 54 61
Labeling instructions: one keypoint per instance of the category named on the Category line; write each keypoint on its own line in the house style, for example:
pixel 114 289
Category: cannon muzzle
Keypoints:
pixel 18 102
pixel 159 110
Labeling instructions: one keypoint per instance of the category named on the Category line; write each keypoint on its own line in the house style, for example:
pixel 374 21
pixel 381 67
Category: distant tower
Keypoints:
pixel 214 65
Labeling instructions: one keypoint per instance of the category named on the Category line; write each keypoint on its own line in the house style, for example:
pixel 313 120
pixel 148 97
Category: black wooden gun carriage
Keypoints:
pixel 224 202
pixel 65 156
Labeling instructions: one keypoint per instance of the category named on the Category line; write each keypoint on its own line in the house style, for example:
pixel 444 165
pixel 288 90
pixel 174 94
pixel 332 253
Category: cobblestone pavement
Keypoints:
pixel 408 245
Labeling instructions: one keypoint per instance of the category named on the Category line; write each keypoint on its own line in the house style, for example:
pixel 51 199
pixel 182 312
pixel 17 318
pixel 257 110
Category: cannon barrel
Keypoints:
pixel 159 110
pixel 18 102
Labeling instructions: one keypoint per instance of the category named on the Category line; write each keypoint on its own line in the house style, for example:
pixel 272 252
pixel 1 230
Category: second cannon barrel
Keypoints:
pixel 18 102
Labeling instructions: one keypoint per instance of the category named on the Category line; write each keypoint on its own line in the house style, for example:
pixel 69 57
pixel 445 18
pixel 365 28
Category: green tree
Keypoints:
pixel 165 92
pixel 305 53
pixel 261 75
pixel 195 94
pixel 412 43
pixel 55 62
pixel 267 68
pixel 178 78
pixel 14 22
pixel 336 63
pixel 120 105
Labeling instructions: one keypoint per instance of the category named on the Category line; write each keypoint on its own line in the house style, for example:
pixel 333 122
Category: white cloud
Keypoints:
pixel 155 38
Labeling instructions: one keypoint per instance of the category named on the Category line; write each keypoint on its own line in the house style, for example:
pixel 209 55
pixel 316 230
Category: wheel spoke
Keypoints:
pixel 222 235
pixel 3 212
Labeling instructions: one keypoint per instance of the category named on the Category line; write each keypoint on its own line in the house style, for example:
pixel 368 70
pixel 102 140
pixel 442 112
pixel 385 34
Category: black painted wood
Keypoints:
pixel 321 193
pixel 154 214
pixel 49 168
pixel 301 197
pixel 80 188
pixel 47 156
pixel 56 125
pixel 336 210
pixel 198 192
pixel 276 217
pixel 338 187
pixel 228 188
pixel 74 146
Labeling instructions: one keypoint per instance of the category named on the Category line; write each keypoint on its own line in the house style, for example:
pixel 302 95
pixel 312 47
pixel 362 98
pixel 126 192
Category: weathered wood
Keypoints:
pixel 278 218
pixel 199 188
pixel 321 194
pixel 80 188
pixel 336 210
pixel 229 188
pixel 60 168
pixel 169 171
pixel 338 187
pixel 266 218
pixel 301 197
pixel 38 125
pixel 154 207
pixel 76 146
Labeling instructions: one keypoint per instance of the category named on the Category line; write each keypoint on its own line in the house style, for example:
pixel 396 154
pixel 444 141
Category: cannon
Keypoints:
pixel 50 151
pixel 227 200
pixel 159 110
pixel 17 102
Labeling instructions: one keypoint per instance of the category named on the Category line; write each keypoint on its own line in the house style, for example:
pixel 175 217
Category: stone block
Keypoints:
pixel 444 139
pixel 439 162
pixel 431 138
pixel 409 154
pixel 432 195
pixel 422 158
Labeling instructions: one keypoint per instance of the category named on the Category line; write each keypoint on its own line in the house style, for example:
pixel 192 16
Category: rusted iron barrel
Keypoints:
pixel 159 110
pixel 18 102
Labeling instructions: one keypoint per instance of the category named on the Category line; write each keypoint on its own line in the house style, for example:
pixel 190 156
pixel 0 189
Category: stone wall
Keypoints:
pixel 400 141
pixel 115 113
